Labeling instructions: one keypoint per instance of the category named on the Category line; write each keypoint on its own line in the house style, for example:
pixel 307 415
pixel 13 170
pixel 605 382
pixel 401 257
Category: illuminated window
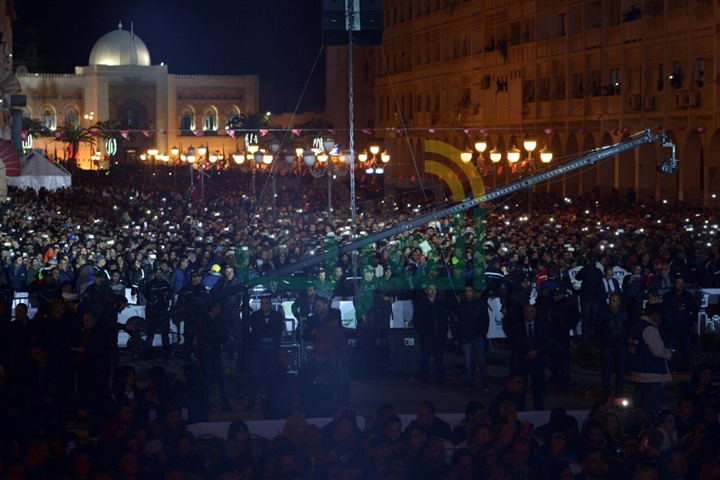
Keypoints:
pixel 48 118
pixel 71 116
pixel 187 119
pixel 210 120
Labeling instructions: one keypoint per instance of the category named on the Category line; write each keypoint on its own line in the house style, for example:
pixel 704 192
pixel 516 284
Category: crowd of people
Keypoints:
pixel 76 253
pixel 147 434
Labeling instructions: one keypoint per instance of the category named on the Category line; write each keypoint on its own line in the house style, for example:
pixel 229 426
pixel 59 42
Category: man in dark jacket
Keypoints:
pixel 430 318
pixel 527 356
pixel 612 330
pixel 649 359
pixel 682 314
pixel 158 295
pixel 592 296
pixel 471 322
pixel 266 330
pixel 188 302
pixel 211 333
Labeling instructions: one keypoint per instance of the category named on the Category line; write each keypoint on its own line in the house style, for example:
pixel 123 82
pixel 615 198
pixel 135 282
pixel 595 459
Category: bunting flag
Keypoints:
pixel 164 132
pixel 57 134
pixel 297 132
pixel 682 127
pixel 484 131
pixel 582 130
pixel 517 130
pixel 146 133
pixel 94 131
pixel 400 132
pixel 625 130
pixel 263 132
pixel 367 131
pixel 432 130
pixel 467 131
pixel 125 134
pixel 198 133
pixel 613 131
pixel 549 130
pixel 332 130
pixel 24 134
pixel 230 133
pixel 701 129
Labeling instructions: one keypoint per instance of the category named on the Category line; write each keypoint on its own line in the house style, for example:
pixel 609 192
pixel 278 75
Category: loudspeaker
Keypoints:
pixel 334 22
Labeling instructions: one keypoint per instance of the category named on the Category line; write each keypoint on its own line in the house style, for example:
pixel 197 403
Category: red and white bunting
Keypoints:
pixel 467 131
pixel 297 132
pixel 263 132
pixel 57 133
pixel 582 130
pixel 331 130
pixel 125 134
pixel 548 131
pixel 367 131
pixel 24 134
pixel 483 131
pixel 198 133
pixel 230 133
pixel 146 133
pixel 432 130
pixel 163 131
pixel 701 129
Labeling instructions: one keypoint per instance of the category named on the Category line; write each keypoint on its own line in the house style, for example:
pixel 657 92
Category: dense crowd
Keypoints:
pixel 146 436
pixel 77 252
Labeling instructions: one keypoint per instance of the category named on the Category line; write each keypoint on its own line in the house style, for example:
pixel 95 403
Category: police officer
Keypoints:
pixel 158 294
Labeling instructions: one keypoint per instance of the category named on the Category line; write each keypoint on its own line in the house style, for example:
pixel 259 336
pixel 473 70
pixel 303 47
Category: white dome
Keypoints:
pixel 119 47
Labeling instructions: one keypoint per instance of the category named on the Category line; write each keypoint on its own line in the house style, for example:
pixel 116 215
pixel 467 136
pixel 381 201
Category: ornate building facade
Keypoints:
pixel 576 74
pixel 160 110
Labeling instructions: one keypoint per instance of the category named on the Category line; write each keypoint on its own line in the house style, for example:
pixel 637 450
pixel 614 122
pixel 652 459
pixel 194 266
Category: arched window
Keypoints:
pixel 48 118
pixel 26 112
pixel 131 118
pixel 187 119
pixel 210 122
pixel 231 113
pixel 71 116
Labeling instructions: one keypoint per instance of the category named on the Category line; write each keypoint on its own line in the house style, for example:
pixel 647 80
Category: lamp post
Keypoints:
pixel 324 159
pixel 197 158
pixel 151 154
pixel 374 164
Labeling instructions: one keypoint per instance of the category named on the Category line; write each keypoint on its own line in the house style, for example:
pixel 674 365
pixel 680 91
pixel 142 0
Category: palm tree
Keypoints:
pixel 74 135
pixel 249 124
pixel 35 127
pixel 107 131
pixel 316 128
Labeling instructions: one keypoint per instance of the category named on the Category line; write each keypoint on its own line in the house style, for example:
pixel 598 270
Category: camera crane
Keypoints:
pixel 667 166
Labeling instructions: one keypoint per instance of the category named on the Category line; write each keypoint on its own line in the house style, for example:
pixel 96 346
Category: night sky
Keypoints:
pixel 276 39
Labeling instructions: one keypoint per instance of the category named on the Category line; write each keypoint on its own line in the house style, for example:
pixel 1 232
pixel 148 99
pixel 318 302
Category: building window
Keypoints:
pixel 187 119
pixel 48 118
pixel 230 114
pixel 210 120
pixel 131 118
pixel 26 113
pixel 699 72
pixel 71 116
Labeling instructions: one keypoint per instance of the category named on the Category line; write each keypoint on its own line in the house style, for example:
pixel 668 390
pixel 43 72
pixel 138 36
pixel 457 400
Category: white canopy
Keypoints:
pixel 39 171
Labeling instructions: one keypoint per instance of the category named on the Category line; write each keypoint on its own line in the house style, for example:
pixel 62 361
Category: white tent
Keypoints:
pixel 38 171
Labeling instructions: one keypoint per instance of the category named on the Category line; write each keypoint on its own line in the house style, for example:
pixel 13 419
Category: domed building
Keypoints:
pixel 120 84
